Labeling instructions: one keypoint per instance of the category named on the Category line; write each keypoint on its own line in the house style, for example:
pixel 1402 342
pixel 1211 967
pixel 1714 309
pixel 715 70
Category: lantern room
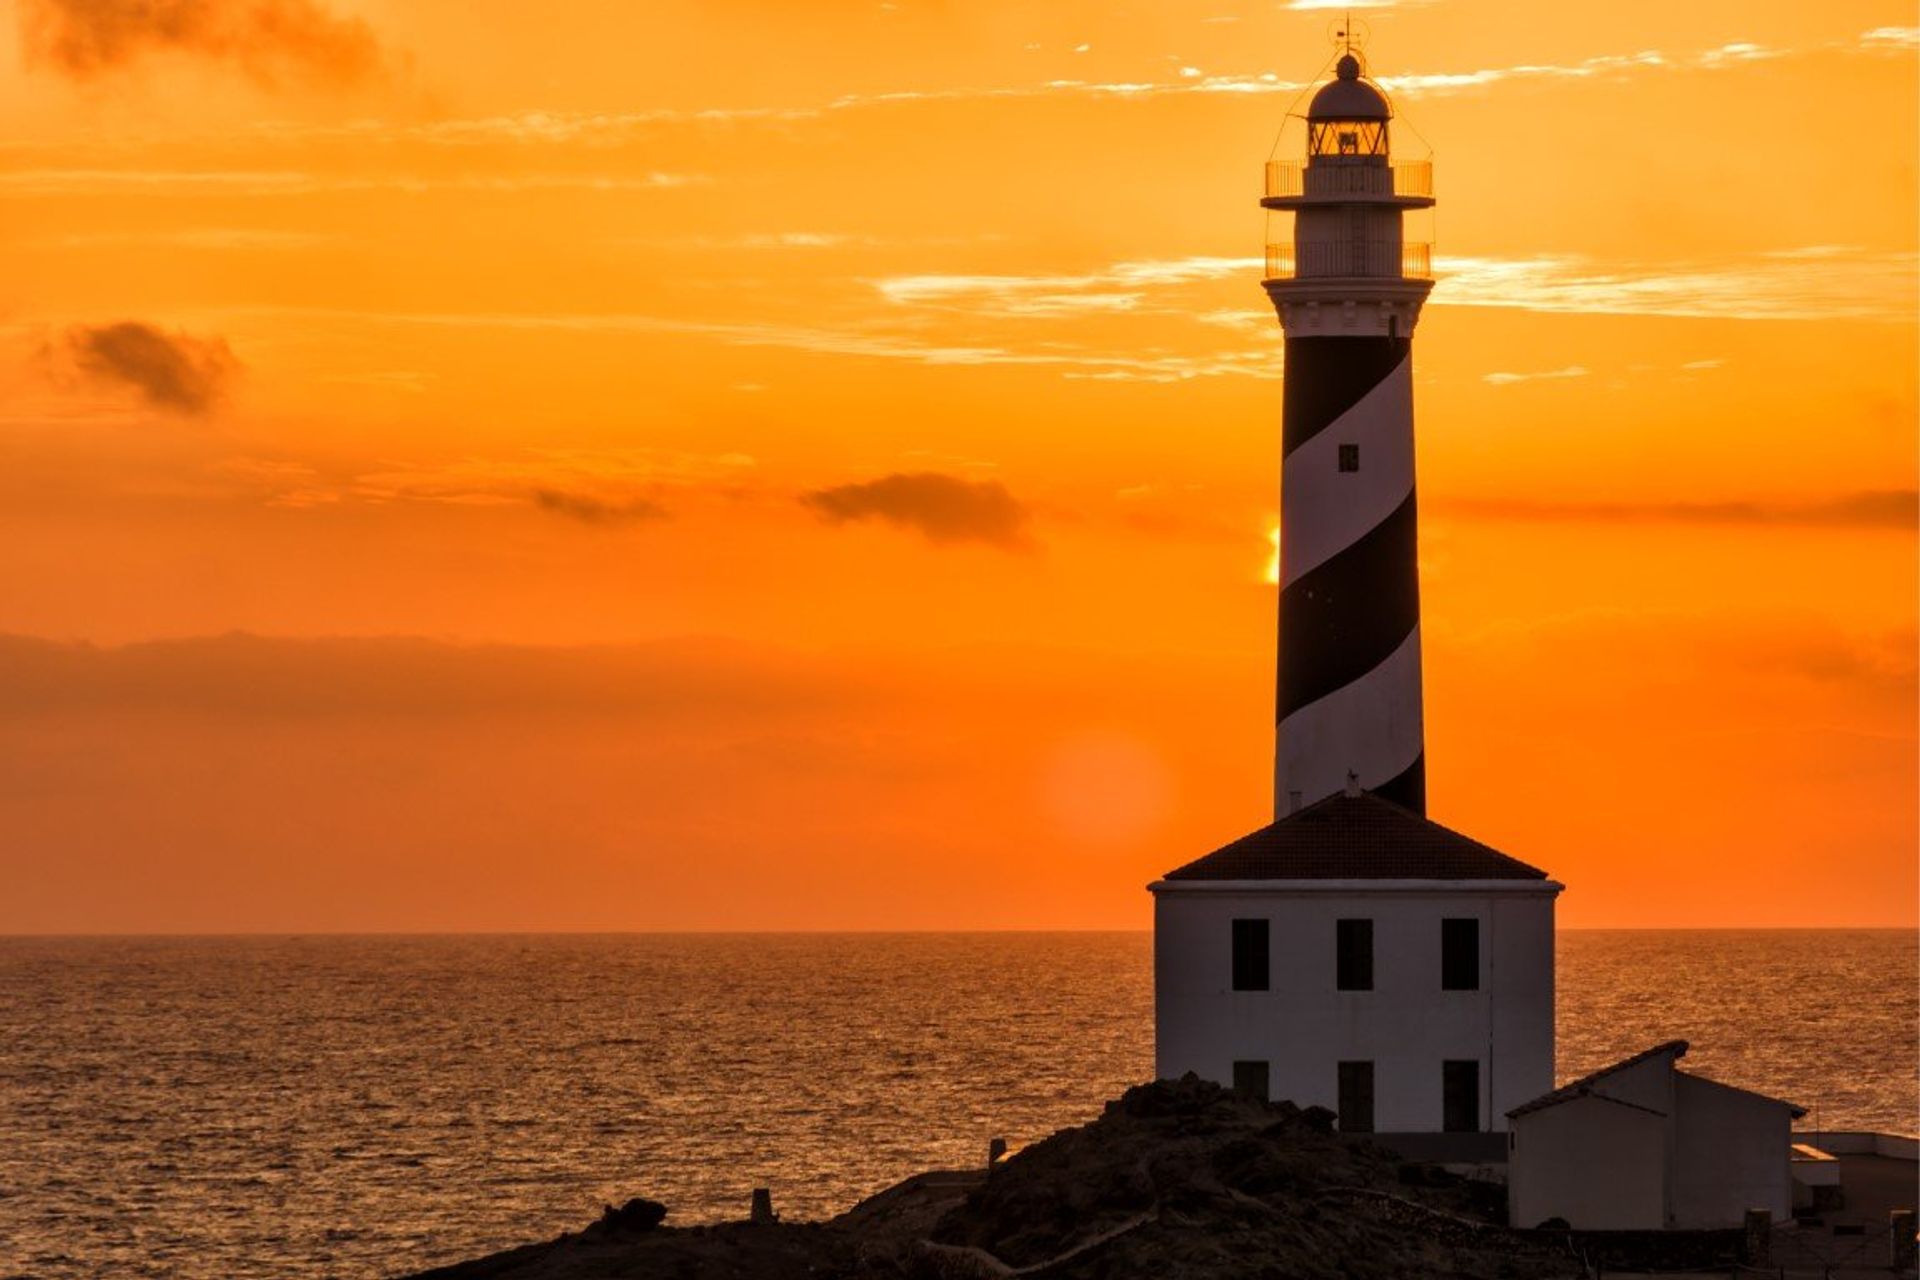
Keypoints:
pixel 1340 213
pixel 1347 120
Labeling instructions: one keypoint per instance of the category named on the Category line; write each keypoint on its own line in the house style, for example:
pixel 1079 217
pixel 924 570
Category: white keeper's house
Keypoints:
pixel 1355 955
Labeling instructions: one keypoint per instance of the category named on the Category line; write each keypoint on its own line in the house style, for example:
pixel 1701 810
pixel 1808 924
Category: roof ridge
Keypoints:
pixel 1584 1084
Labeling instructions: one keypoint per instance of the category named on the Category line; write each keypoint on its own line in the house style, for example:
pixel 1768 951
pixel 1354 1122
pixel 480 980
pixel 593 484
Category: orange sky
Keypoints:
pixel 472 465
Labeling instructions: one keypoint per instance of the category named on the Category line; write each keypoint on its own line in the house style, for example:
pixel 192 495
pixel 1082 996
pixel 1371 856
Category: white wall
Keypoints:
pixel 1732 1152
pixel 1596 1164
pixel 1406 1025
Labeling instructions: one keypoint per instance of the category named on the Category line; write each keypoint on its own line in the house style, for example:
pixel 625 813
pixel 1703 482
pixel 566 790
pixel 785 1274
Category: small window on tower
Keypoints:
pixel 1349 457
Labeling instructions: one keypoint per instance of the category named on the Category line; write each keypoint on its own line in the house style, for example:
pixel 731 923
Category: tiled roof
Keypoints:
pixel 1355 837
pixel 1584 1085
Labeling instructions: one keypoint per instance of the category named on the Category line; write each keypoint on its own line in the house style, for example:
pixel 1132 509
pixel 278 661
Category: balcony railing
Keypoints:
pixel 1290 178
pixel 1350 259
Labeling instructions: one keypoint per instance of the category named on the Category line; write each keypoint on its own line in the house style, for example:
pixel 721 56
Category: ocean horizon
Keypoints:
pixel 312 1105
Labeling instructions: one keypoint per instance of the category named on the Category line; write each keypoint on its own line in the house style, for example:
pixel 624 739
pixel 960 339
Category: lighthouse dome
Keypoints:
pixel 1348 97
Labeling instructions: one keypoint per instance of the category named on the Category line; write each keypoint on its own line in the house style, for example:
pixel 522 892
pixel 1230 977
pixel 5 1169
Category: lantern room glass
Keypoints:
pixel 1347 138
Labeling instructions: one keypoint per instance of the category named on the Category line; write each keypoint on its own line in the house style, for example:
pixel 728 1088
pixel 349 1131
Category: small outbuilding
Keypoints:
pixel 1642 1145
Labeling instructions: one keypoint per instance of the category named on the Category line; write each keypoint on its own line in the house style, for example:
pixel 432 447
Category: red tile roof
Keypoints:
pixel 1355 837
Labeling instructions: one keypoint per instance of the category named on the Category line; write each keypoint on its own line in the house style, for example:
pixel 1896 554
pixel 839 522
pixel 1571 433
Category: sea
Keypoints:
pixel 369 1106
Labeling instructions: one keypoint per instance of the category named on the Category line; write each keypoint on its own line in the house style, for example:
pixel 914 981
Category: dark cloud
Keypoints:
pixel 588 509
pixel 1870 509
pixel 173 371
pixel 943 508
pixel 86 38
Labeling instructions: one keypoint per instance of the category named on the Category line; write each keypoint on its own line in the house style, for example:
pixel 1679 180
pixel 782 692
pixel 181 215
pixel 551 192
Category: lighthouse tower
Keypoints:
pixel 1348 289
pixel 1353 953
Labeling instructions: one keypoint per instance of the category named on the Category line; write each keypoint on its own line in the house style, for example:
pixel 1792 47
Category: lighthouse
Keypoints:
pixel 1354 953
pixel 1348 288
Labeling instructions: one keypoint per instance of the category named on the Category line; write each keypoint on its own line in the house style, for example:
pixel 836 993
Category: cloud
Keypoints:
pixel 172 371
pixel 88 38
pixel 595 487
pixel 1073 361
pixel 592 510
pixel 1894 509
pixel 212 238
pixel 1819 282
pixel 283 182
pixel 339 676
pixel 1898 39
pixel 943 508
pixel 1508 379
pixel 1812 282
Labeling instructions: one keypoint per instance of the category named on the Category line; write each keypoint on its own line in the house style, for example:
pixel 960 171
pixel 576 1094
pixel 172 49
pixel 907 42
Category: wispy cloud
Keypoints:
pixel 1899 39
pixel 265 38
pixel 208 238
pixel 612 129
pixel 1126 275
pixel 593 487
pixel 1895 509
pixel 942 508
pixel 177 372
pixel 591 509
pixel 1072 360
pixel 1508 379
pixel 276 182
pixel 1804 283
pixel 1832 284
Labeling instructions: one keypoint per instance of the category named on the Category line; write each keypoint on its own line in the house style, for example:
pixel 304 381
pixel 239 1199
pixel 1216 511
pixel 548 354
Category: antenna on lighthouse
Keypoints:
pixel 1349 34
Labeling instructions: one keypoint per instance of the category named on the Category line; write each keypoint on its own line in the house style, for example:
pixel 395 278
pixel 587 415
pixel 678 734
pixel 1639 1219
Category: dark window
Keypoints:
pixel 1251 1078
pixel 1249 955
pixel 1353 946
pixel 1460 955
pixel 1356 1097
pixel 1460 1088
pixel 1349 457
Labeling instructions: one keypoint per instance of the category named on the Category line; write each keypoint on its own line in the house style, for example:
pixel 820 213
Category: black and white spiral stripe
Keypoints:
pixel 1349 681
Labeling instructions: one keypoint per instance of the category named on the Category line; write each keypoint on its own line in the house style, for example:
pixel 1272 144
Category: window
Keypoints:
pixel 1347 138
pixel 1353 955
pixel 1460 955
pixel 1356 1097
pixel 1251 1078
pixel 1460 1092
pixel 1349 457
pixel 1249 955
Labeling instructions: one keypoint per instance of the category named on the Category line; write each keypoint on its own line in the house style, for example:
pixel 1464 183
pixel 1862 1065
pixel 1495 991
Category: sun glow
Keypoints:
pixel 1272 575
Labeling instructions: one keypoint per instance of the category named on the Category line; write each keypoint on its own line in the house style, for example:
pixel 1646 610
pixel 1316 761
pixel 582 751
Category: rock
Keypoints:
pixel 1175 1178
pixel 633 1217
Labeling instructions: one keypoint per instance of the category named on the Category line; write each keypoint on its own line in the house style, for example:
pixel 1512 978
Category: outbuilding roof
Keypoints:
pixel 1355 836
pixel 1584 1086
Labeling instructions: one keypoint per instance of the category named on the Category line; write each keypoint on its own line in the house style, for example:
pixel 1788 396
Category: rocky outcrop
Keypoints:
pixel 1176 1178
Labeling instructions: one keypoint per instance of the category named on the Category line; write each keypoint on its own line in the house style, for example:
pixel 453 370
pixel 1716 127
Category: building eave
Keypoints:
pixel 1512 888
